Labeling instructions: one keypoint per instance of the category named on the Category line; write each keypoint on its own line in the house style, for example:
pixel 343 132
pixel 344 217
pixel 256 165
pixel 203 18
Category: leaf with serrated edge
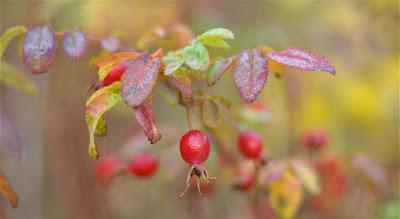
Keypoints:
pixel 100 102
pixel 210 113
pixel 139 79
pixel 12 77
pixel 218 69
pixel 145 116
pixel 250 74
pixel 302 59
pixel 8 35
pixel 39 49
pixel 172 67
pixel 220 33
pixel 75 45
pixel 196 56
pixel 7 191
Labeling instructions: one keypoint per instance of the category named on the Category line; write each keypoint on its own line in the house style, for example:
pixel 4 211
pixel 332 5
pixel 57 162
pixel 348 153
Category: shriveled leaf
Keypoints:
pixel 250 74
pixel 101 129
pixel 139 79
pixel 39 49
pixel 8 35
pixel 218 69
pixel 11 76
pixel 7 191
pixel 110 44
pixel 146 118
pixel 214 42
pixel 306 174
pixel 286 195
pixel 75 45
pixel 372 172
pixel 173 66
pixel 302 59
pixel 196 56
pixel 100 102
pixel 10 142
pixel 210 113
pixel 219 33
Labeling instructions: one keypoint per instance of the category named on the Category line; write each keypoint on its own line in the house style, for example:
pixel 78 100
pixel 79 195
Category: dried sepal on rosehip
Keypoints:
pixel 195 149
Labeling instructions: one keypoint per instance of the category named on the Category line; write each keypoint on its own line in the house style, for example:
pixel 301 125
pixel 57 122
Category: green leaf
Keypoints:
pixel 196 56
pixel 9 35
pixel 12 77
pixel 101 128
pixel 172 67
pixel 214 42
pixel 219 33
pixel 218 69
pixel 100 102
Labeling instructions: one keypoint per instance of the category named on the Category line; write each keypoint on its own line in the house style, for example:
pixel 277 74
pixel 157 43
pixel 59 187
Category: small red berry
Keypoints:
pixel 314 139
pixel 245 182
pixel 195 147
pixel 106 166
pixel 250 144
pixel 115 74
pixel 143 165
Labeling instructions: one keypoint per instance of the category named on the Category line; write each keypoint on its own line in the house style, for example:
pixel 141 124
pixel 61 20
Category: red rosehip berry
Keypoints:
pixel 250 145
pixel 115 74
pixel 314 139
pixel 244 182
pixel 105 169
pixel 195 149
pixel 143 165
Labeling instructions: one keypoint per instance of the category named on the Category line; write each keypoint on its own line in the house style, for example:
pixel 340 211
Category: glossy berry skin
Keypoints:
pixel 105 168
pixel 250 145
pixel 314 139
pixel 115 74
pixel 194 147
pixel 143 165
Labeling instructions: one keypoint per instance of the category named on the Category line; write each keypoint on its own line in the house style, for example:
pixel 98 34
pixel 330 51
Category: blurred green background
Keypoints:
pixel 359 107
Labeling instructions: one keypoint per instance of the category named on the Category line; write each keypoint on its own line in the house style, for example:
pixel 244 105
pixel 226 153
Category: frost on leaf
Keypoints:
pixel 196 56
pixel 75 45
pixel 145 116
pixel 302 59
pixel 182 84
pixel 218 69
pixel 8 35
pixel 250 74
pixel 39 49
pixel 7 191
pixel 100 102
pixel 172 67
pixel 139 80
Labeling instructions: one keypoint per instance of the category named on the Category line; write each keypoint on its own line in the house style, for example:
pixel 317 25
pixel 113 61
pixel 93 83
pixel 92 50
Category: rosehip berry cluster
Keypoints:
pixel 195 149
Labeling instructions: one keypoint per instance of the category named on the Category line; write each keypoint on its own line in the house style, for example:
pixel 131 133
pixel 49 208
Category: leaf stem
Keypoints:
pixel 188 118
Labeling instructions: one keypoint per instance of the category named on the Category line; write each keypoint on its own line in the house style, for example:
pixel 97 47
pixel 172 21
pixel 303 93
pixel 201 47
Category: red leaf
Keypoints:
pixel 139 79
pixel 145 116
pixel 185 87
pixel 39 49
pixel 75 45
pixel 250 73
pixel 302 59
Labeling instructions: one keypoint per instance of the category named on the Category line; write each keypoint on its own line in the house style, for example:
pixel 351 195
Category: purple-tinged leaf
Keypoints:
pixel 139 80
pixel 110 44
pixel 75 45
pixel 184 86
pixel 218 69
pixel 250 74
pixel 145 116
pixel 302 59
pixel 39 49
